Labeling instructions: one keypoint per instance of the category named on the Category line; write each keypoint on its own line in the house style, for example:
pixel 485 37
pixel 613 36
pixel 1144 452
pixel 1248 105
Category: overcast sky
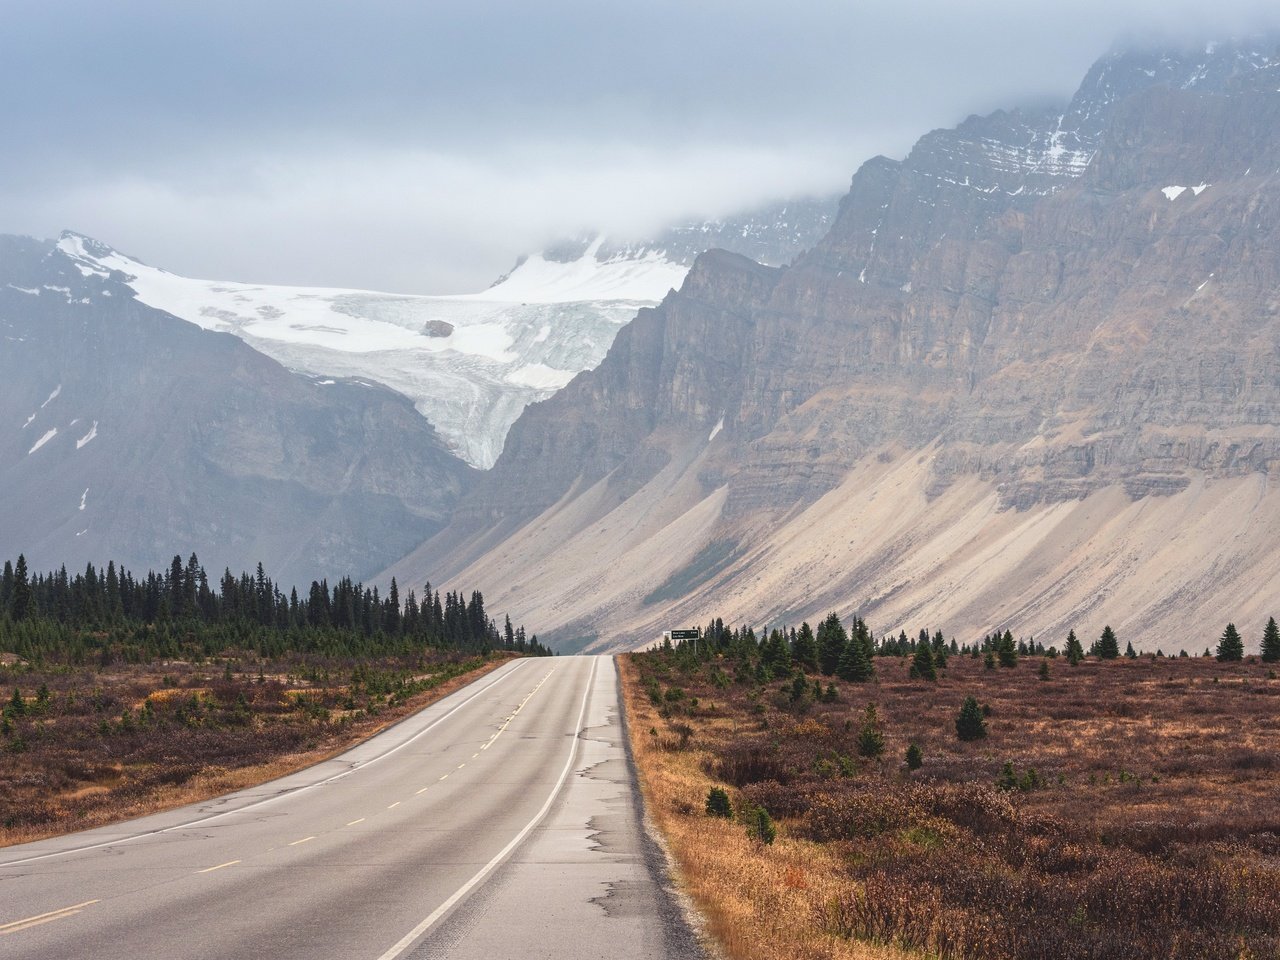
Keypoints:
pixel 421 146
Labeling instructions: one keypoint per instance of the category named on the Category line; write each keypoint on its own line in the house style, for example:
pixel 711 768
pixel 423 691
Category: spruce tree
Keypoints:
pixel 1230 647
pixel 1271 642
pixel 1075 650
pixel 915 757
pixel 1007 651
pixel 832 640
pixel 854 664
pixel 870 739
pixel 971 724
pixel 922 666
pixel 1108 645
pixel 1129 652
pixel 20 597
pixel 805 649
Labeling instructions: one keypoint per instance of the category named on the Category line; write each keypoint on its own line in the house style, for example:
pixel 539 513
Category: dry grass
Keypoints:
pixel 1153 830
pixel 71 775
pixel 763 903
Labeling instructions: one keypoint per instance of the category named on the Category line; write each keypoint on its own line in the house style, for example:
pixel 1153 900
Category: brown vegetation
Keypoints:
pixel 1125 809
pixel 89 746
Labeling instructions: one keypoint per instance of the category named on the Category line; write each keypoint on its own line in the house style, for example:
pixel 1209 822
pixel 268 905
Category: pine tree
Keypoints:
pixel 20 596
pixel 1230 647
pixel 1129 652
pixel 1044 670
pixel 970 724
pixel 1108 645
pixel 832 641
pixel 1271 642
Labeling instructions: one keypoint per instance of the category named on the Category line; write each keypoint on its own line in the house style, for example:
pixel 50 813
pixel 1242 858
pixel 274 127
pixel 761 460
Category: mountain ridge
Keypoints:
pixel 990 317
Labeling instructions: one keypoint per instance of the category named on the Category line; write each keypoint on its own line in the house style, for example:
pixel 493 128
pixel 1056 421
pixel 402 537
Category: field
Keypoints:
pixel 1117 809
pixel 81 746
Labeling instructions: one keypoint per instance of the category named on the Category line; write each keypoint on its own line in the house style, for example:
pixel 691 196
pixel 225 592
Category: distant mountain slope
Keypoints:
pixel 1030 379
pixel 128 434
pixel 469 363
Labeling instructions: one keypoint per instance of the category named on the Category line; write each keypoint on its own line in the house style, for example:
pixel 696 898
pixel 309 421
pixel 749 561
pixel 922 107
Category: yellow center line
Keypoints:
pixel 474 755
pixel 229 863
pixel 394 805
pixel 354 822
pixel 423 790
pixel 303 840
pixel 461 765
pixel 15 925
pixel 507 722
pixel 445 777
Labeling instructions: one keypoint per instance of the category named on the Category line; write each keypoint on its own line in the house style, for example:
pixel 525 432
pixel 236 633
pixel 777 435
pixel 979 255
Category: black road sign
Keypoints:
pixel 684 634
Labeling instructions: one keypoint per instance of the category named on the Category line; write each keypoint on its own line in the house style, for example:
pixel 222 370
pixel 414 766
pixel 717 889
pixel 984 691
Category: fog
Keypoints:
pixel 422 147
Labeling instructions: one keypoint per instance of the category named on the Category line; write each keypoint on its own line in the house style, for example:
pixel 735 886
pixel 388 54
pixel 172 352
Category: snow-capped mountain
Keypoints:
pixel 469 363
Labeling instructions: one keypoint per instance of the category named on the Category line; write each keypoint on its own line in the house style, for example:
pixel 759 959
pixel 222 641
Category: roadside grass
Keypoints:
pixel 1118 810
pixel 119 742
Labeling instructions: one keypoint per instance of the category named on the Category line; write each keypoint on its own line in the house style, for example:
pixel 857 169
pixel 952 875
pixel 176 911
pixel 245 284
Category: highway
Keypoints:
pixel 500 822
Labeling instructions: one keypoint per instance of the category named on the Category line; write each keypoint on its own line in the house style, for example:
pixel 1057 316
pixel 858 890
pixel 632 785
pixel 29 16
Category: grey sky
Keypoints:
pixel 422 146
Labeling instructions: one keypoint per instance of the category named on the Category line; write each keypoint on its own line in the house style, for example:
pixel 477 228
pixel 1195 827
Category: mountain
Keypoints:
pixel 469 363
pixel 1028 379
pixel 128 434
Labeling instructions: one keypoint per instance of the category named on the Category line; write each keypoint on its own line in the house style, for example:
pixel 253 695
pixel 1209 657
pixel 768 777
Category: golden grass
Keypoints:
pixel 758 902
pixel 217 781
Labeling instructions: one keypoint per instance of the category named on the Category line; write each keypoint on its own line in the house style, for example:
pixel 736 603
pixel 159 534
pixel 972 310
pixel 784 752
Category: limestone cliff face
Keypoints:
pixel 1041 308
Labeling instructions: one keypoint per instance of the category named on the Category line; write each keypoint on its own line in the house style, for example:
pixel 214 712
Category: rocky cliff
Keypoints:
pixel 128 434
pixel 1029 378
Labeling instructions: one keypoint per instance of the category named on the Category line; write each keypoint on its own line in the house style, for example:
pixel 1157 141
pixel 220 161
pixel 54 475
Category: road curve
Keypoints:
pixel 500 822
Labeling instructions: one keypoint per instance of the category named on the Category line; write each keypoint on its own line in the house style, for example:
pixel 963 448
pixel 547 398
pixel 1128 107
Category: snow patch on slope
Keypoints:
pixel 49 435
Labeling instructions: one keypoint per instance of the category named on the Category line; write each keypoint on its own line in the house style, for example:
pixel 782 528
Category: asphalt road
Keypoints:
pixel 500 822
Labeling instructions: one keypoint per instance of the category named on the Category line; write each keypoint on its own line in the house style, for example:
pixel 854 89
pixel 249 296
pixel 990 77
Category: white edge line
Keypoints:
pixel 405 942
pixel 280 796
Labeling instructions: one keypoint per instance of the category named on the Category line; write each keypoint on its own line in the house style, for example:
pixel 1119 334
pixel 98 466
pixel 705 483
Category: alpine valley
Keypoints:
pixel 1027 377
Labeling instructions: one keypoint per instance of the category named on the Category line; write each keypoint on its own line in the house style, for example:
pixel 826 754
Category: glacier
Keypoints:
pixel 470 363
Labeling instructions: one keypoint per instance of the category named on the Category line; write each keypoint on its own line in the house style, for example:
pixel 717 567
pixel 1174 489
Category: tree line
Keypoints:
pixel 112 613
pixel 849 652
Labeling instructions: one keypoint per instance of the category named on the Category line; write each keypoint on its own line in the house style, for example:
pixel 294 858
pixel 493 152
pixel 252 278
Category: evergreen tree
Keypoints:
pixel 1271 642
pixel 915 757
pixel 1108 647
pixel 832 640
pixel 870 739
pixel 805 649
pixel 1044 670
pixel 922 666
pixel 1129 652
pixel 971 724
pixel 1075 650
pixel 854 664
pixel 1006 651
pixel 20 596
pixel 1230 647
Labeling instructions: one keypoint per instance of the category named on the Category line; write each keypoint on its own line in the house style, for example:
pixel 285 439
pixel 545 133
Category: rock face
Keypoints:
pixel 128 434
pixel 1039 344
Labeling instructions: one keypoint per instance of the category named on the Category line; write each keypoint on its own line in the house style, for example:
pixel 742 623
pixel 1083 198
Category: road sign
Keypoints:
pixel 684 634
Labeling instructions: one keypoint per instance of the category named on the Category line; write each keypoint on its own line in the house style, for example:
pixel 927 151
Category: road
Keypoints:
pixel 500 822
